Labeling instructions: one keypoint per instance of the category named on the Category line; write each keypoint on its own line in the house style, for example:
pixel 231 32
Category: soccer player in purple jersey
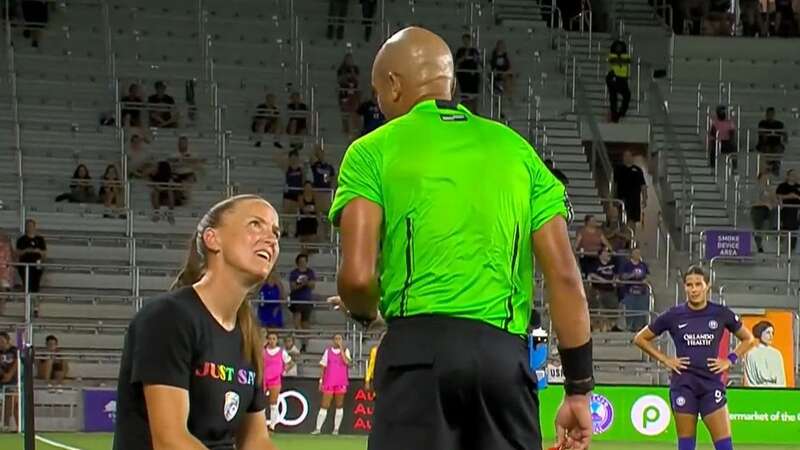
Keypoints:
pixel 697 328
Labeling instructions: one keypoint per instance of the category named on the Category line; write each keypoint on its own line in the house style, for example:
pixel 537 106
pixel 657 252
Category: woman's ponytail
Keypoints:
pixel 194 266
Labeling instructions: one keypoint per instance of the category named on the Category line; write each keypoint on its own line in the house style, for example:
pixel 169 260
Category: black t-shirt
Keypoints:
pixel 786 188
pixel 7 359
pixel 135 111
pixel 629 182
pixel 175 341
pixel 161 112
pixel 500 62
pixel 767 137
pixel 471 59
pixel 323 174
pixel 371 115
pixel 606 272
pixel 26 242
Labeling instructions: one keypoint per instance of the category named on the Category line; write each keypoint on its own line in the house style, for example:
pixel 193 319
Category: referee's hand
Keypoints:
pixel 574 423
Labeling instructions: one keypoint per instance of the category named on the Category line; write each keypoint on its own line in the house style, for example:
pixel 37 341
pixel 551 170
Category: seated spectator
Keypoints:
pixel 302 282
pixel 309 217
pixel 771 139
pixel 616 233
pixel 503 77
pixel 295 179
pixel 603 291
pixel 722 130
pixel 184 170
pixel 132 105
pixel 8 378
pixel 31 250
pixel 53 367
pixel 141 163
pixel 562 177
pixel 163 192
pixel 324 179
pixel 636 297
pixel 271 296
pixel 763 208
pixel 589 241
pixel 81 189
pixel 111 190
pixel 162 109
pixel 267 120
pixel 468 65
pixel 294 352
pixel 349 95
pixel 36 17
pixel 298 117
pixel 371 115
pixel 788 194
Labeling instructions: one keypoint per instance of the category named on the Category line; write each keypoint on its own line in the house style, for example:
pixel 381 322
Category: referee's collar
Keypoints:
pixel 438 105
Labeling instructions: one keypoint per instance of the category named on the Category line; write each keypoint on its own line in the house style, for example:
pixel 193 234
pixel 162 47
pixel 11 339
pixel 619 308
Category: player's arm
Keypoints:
pixel 168 414
pixel 357 282
pixel 746 343
pixel 253 433
pixel 645 338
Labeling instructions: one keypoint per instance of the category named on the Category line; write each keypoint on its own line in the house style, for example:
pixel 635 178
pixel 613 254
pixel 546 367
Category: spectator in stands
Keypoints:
pixel 302 281
pixel 722 130
pixel 309 217
pixel 562 177
pixel 7 257
pixel 636 297
pixel 468 64
pixel 294 352
pixel 111 190
pixel 324 178
pixel 619 70
pixel 271 296
pixel 767 17
pixel 616 233
pixel 750 11
pixel 31 250
pixel 631 188
pixel 603 291
pixel 771 140
pixel 141 163
pixel 162 109
pixel 185 167
pixel 784 18
pixel 371 115
pixel 695 13
pixel 8 378
pixel 298 117
pixel 267 120
pixel 501 67
pixel 347 76
pixel 132 105
pixel 762 208
pixel 368 9
pixel 788 194
pixel 53 367
pixel 163 192
pixel 589 241
pixel 81 189
pixel 36 17
pixel 295 179
pixel 337 14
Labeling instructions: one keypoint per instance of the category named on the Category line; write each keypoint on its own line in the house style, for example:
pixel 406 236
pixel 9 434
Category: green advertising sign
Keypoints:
pixel 643 414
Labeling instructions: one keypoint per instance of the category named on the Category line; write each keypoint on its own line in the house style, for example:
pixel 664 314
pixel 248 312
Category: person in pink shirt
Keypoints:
pixel 276 363
pixel 333 383
pixel 722 129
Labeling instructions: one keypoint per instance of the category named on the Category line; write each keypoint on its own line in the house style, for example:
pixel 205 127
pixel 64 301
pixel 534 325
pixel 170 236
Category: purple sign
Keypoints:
pixel 99 409
pixel 728 243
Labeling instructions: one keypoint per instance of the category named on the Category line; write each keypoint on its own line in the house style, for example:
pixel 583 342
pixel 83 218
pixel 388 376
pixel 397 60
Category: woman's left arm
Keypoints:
pixel 253 433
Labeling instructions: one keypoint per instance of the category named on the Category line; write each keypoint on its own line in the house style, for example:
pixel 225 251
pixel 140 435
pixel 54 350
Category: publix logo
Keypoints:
pixel 602 414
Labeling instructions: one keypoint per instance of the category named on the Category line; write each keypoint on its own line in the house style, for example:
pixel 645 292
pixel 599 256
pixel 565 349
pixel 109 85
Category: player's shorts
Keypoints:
pixel 697 397
pixel 448 383
pixel 334 389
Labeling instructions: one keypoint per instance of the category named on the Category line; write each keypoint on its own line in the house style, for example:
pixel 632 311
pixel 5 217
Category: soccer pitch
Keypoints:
pixel 102 441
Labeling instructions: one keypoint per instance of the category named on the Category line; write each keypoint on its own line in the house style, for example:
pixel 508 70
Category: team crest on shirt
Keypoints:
pixel 713 324
pixel 231 405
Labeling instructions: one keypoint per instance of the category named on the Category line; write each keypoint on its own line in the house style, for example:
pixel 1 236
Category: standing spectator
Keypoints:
pixel 324 180
pixel 636 297
pixel 368 9
pixel 501 67
pixel 162 110
pixel 32 250
pixel 309 216
pixel 36 17
pixel 337 14
pixel 132 105
pixel 631 188
pixel 468 64
pixel 271 295
pixel 788 194
pixel 771 140
pixel 302 281
pixel 762 208
pixel 81 189
pixel 8 378
pixel 53 367
pixel 111 190
pixel 298 116
pixel 294 352
pixel 589 241
pixel 349 96
pixel 603 292
pixel 561 176
pixel 750 11
pixel 723 130
pixel 371 115
pixel 267 120
pixel 619 70
pixel 295 179
pixel 162 192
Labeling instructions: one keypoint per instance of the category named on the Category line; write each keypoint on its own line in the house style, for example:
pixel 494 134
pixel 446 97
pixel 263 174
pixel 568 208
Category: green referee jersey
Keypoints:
pixel 461 196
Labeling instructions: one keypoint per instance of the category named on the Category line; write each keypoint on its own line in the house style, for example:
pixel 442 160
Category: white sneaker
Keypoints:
pixel 316 432
pixel 335 432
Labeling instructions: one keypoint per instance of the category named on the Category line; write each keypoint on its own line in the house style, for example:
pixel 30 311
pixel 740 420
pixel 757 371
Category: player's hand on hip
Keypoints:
pixel 574 423
pixel 719 365
pixel 677 364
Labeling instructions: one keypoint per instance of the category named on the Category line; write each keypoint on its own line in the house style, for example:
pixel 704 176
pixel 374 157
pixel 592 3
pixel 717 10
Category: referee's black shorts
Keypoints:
pixel 444 383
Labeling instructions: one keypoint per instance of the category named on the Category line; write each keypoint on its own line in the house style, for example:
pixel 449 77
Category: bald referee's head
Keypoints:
pixel 413 65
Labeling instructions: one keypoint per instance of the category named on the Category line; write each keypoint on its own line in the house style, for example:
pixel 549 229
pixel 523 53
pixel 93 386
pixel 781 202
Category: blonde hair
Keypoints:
pixel 195 267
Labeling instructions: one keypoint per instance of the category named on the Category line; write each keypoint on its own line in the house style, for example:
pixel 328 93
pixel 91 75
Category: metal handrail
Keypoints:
pixel 599 151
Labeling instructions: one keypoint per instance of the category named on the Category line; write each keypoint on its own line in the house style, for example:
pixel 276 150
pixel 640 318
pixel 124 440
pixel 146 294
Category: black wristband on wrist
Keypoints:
pixel 578 369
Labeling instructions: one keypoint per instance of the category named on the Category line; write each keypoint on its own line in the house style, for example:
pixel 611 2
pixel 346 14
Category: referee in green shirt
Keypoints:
pixel 440 214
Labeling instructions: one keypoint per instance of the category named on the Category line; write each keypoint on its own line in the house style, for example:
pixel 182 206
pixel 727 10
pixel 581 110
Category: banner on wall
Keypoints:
pixel 727 243
pixel 770 364
pixel 99 409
